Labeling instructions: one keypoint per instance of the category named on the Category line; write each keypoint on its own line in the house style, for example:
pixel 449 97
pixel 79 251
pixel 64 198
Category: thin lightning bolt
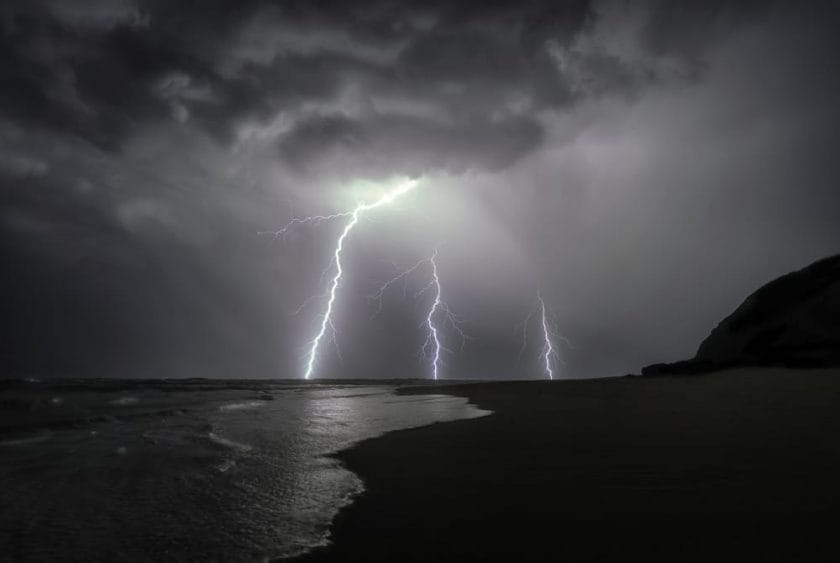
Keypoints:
pixel 439 306
pixel 433 331
pixel 401 276
pixel 355 215
pixel 549 353
pixel 314 220
pixel 524 324
pixel 433 347
pixel 548 347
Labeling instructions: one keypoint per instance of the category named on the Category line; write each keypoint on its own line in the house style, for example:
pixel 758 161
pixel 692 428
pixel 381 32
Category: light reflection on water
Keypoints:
pixel 215 474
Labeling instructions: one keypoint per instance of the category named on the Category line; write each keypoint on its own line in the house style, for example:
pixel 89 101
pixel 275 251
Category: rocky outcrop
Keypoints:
pixel 793 321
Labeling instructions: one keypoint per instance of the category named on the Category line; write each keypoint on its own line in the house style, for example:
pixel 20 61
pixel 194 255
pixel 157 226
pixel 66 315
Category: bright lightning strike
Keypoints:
pixel 355 216
pixel 548 347
pixel 433 347
pixel 549 353
pixel 433 331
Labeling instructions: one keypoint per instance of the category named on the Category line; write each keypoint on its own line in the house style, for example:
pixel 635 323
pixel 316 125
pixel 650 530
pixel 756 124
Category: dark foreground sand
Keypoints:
pixel 738 465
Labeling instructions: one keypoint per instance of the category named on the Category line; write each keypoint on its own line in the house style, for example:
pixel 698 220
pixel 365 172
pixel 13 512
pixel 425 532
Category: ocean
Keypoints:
pixel 186 470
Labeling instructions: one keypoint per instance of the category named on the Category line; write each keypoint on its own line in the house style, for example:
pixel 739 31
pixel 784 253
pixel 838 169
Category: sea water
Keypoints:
pixel 186 470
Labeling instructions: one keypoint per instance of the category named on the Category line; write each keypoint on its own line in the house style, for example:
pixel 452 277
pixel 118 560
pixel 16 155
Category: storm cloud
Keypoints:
pixel 643 165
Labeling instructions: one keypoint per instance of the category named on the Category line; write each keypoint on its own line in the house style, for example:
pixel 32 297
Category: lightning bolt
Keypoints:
pixel 432 348
pixel 402 276
pixel 549 353
pixel 313 220
pixel 524 324
pixel 430 322
pixel 548 348
pixel 355 216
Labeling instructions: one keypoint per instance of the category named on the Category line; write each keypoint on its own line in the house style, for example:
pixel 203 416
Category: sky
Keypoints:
pixel 643 166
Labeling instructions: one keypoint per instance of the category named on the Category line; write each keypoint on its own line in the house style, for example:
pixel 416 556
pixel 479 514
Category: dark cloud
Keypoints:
pixel 104 69
pixel 685 29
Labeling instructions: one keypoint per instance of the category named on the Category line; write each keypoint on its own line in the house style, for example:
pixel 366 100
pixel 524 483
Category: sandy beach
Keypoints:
pixel 736 464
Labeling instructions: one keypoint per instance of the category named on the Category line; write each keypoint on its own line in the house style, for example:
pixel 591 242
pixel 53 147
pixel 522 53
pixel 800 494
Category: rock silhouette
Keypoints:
pixel 793 321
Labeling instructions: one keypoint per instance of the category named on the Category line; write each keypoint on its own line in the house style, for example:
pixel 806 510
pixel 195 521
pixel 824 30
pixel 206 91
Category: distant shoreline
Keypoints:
pixel 740 463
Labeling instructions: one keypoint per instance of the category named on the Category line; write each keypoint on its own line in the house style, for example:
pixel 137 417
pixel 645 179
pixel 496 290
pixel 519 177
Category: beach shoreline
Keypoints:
pixel 732 464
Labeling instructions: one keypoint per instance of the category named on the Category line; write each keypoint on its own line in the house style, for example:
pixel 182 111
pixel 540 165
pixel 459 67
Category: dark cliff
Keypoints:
pixel 793 321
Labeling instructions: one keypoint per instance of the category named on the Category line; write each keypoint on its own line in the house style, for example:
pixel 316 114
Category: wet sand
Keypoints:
pixel 743 464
